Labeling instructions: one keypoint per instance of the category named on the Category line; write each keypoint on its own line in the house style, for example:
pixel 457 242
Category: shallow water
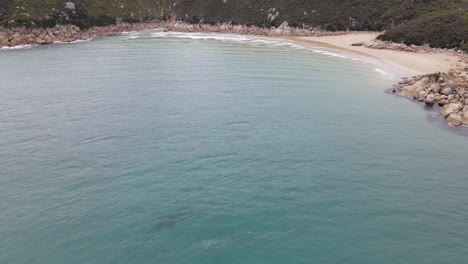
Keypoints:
pixel 157 148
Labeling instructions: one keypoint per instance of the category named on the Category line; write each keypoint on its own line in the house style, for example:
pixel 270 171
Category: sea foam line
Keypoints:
pixel 254 40
pixel 73 42
pixel 17 47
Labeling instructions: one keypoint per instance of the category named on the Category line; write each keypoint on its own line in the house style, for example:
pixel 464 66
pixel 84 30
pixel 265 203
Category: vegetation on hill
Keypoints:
pixel 442 24
pixel 330 14
pixel 84 13
pixel 439 23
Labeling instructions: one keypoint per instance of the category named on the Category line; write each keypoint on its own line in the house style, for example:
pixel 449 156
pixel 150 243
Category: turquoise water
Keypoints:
pixel 154 148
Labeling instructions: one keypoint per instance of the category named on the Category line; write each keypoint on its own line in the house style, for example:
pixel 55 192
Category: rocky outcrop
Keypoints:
pixel 465 116
pixel 38 36
pixel 454 119
pixel 451 108
pixel 449 91
pixel 388 45
pixel 283 30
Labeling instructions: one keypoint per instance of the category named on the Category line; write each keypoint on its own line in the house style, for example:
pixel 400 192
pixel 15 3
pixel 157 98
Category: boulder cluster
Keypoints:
pixel 449 91
pixel 39 36
pixel 387 45
pixel 283 30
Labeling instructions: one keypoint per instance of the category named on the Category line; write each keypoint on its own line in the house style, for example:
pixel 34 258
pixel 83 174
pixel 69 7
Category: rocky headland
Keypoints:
pixel 447 90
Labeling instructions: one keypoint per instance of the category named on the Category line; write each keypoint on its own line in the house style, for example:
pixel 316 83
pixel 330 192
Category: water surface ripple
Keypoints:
pixel 153 148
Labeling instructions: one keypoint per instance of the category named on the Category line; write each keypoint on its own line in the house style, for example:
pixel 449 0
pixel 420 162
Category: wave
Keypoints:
pixel 259 41
pixel 208 36
pixel 28 46
pixel 234 38
pixel 72 42
pixel 17 47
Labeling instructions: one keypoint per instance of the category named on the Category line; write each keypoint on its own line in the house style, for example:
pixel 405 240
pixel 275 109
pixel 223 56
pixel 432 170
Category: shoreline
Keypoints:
pixel 360 43
pixel 432 76
pixel 415 63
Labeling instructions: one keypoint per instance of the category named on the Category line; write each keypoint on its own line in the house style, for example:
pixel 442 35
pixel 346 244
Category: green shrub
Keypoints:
pixel 464 47
pixel 438 29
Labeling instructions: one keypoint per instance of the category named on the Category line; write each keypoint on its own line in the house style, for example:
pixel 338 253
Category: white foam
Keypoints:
pixel 329 53
pixel 17 47
pixel 259 41
pixel 72 42
pixel 385 73
pixel 128 32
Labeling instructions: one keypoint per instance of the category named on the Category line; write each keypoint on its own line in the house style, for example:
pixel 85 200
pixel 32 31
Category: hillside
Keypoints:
pixel 440 23
pixel 84 13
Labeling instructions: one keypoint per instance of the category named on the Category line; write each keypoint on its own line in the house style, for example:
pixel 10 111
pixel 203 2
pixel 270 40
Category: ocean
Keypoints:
pixel 159 147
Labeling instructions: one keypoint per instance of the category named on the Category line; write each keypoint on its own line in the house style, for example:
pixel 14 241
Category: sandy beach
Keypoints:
pixel 415 63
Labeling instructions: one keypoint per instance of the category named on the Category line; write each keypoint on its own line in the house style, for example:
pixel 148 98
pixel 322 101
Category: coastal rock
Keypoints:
pixel 412 90
pixel 443 102
pixel 283 28
pixel 421 96
pixel 447 91
pixel 425 80
pixel 435 88
pixel 450 83
pixel 40 41
pixel 454 119
pixel 430 98
pixel 272 14
pixel 15 41
pixel 465 115
pixel 451 108
pixel 70 6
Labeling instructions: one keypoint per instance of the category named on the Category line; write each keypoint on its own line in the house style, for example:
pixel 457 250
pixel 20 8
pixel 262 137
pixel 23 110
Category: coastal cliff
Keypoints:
pixel 439 23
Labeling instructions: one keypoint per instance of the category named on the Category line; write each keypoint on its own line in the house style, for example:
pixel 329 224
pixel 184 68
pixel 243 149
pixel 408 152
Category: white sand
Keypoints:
pixel 414 63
